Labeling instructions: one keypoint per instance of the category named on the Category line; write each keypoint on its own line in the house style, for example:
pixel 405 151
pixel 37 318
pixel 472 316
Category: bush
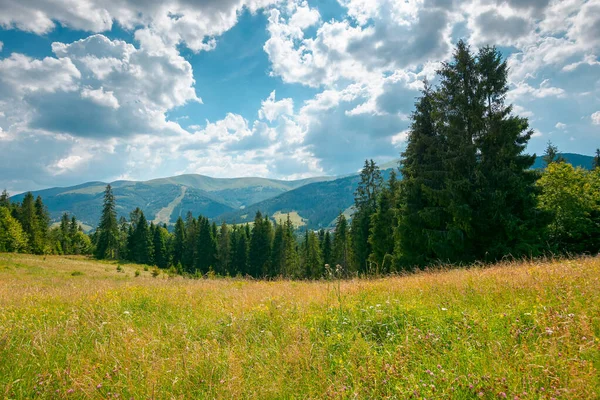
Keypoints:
pixel 76 273
pixel 155 272
pixel 137 273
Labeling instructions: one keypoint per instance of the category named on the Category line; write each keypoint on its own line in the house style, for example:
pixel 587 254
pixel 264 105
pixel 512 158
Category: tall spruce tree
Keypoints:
pixel 326 248
pixel 506 219
pixel 28 220
pixel 342 251
pixel 160 241
pixel 223 250
pixel 107 246
pixel 206 246
pixel 365 205
pixel 178 242
pixel 312 258
pixel 143 248
pixel 259 253
pixel 596 163
pixel 383 226
pixel 188 259
pixel 239 259
pixel 421 214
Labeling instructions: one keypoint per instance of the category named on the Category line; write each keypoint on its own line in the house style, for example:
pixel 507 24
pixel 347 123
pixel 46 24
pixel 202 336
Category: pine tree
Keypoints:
pixel 179 242
pixel 191 236
pixel 107 246
pixel 259 253
pixel 326 248
pixel 43 221
pixel 365 204
pixel 161 255
pixel 65 237
pixel 506 220
pixel 142 241
pixel 383 226
pixel 278 252
pixel 224 250
pixel 596 163
pixel 239 259
pixel 341 244
pixel 311 255
pixel 4 199
pixel 206 246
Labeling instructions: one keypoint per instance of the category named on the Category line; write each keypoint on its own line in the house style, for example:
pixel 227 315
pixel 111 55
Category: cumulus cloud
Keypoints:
pixel 596 118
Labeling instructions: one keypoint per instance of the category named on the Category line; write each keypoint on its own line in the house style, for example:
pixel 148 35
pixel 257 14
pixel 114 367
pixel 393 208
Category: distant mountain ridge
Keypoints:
pixel 316 201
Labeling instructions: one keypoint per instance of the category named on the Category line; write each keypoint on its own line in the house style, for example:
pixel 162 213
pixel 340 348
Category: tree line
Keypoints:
pixel 465 191
pixel 25 227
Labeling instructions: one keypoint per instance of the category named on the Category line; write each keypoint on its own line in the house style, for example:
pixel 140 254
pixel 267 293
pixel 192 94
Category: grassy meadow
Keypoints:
pixel 76 328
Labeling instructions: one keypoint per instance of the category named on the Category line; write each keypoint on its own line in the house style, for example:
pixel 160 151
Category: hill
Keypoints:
pixel 577 160
pixel 76 328
pixel 163 200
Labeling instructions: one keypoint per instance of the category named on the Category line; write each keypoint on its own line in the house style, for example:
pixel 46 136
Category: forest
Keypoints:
pixel 465 191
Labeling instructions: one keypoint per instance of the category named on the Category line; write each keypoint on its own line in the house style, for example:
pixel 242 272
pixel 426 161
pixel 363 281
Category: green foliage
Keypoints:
pixel 468 191
pixel 12 237
pixel 259 253
pixel 365 205
pixel 107 245
pixel 342 251
pixel 383 226
pixel 572 197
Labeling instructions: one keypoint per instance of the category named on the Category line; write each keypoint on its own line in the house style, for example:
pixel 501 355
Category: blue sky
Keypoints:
pixel 122 89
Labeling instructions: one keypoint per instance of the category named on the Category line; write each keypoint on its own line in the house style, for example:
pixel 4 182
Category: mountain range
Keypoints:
pixel 312 203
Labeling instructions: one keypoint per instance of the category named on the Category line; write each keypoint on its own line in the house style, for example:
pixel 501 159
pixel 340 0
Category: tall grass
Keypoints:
pixel 515 330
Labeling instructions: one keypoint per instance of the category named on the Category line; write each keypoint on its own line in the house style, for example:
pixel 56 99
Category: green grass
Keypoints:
pixel 524 331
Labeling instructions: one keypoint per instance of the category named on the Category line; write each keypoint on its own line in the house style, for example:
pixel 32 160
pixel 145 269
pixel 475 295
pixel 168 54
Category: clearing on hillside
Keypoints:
pixel 76 328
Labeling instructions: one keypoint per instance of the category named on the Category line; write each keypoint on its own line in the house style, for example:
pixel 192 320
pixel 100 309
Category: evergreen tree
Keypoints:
pixel 28 220
pixel 365 204
pixel 161 255
pixel 506 219
pixel 311 255
pixel 278 252
pixel 596 163
pixel 460 101
pixel 239 259
pixel 383 226
pixel 107 245
pixel 43 222
pixel 206 246
pixel 191 236
pixel 65 236
pixel 179 242
pixel 326 248
pixel 259 253
pixel 5 199
pixel 224 250
pixel 341 243
pixel 142 241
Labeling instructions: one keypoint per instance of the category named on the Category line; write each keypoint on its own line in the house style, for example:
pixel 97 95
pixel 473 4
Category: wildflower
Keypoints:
pixel 126 312
pixel 70 390
pixel 502 394
pixel 549 331
pixel 99 386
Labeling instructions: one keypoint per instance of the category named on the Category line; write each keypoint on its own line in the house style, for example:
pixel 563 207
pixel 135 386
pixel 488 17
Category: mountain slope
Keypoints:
pixel 165 199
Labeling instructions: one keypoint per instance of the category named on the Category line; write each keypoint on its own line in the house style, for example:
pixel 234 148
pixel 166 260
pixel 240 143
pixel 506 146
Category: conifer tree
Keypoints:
pixel 311 256
pixel 505 218
pixel 341 244
pixel 278 252
pixel 259 253
pixel 65 236
pixel 5 199
pixel 142 248
pixel 161 255
pixel 191 236
pixel 107 246
pixel 239 259
pixel 224 250
pixel 326 248
pixel 43 222
pixel 383 226
pixel 365 204
pixel 179 242
pixel 596 163
pixel 206 246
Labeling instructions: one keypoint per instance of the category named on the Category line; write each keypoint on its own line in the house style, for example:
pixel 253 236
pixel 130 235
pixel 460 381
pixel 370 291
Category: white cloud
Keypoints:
pixel 1 45
pixel 596 118
pixel 99 96
pixel 271 109
pixel 561 126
